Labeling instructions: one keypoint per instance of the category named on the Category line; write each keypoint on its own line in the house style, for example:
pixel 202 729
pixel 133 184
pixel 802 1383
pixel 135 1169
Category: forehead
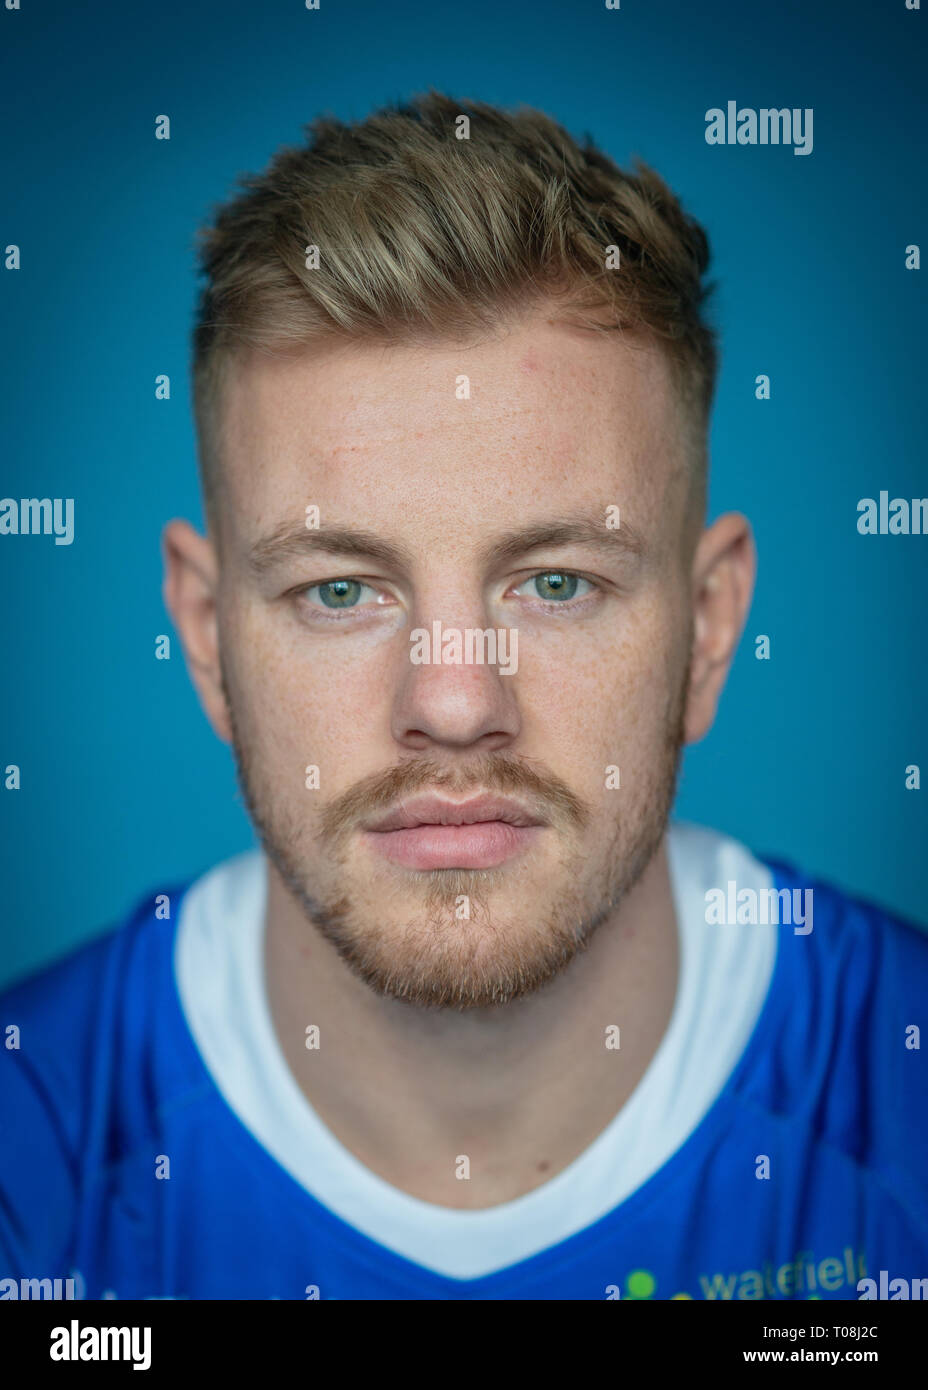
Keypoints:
pixel 532 417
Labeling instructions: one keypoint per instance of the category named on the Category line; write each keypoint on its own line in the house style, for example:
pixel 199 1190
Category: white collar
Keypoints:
pixel 724 980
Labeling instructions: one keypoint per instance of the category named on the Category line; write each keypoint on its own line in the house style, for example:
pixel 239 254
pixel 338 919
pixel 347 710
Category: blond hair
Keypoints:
pixel 424 234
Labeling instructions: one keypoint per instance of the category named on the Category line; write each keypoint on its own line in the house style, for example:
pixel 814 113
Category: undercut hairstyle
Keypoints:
pixel 438 219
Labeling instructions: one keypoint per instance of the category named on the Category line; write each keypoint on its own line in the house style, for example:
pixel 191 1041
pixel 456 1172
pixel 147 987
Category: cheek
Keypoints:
pixel 275 686
pixel 293 698
pixel 611 687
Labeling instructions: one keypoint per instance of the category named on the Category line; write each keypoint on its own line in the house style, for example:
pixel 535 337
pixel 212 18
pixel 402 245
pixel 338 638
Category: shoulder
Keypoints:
pixel 879 958
pixel 847 1006
pixel 55 1019
pixel 75 1038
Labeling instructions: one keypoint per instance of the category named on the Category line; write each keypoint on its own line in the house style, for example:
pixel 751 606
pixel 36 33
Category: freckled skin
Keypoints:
pixel 558 421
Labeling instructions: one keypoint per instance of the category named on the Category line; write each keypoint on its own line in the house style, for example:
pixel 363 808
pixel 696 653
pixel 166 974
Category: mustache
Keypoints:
pixel 494 772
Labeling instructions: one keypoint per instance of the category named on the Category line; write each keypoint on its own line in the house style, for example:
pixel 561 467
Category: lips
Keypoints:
pixel 430 832
pixel 435 810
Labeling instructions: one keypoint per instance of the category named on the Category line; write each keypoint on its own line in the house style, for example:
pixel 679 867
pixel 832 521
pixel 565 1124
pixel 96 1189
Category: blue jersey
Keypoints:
pixel 807 1174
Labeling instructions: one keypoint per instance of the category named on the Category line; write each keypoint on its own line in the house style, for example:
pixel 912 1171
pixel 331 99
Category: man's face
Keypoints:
pixel 448 497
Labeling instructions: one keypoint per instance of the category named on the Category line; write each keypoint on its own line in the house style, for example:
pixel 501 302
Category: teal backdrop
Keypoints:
pixel 123 787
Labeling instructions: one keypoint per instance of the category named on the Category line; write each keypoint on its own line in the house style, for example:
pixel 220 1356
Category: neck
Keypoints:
pixel 520 1090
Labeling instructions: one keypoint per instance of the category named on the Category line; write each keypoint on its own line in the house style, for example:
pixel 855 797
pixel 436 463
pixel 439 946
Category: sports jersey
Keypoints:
pixel 155 1144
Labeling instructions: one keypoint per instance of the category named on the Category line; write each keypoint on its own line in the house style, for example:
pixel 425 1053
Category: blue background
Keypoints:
pixel 124 788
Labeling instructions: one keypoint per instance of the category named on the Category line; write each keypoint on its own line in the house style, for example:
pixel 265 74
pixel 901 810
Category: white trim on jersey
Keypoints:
pixel 725 975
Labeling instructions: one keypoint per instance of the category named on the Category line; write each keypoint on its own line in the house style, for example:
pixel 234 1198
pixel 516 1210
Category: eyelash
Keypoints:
pixel 546 605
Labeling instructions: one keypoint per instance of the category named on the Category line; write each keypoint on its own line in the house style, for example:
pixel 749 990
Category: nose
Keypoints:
pixel 452 696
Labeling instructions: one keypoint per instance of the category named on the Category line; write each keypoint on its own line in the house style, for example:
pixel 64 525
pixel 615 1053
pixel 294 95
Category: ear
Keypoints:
pixel 191 576
pixel 724 568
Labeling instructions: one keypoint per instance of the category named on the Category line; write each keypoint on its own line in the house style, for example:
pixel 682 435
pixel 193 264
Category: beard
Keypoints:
pixel 458 938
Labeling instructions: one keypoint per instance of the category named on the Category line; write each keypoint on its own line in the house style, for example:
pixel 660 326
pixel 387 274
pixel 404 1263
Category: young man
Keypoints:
pixel 475 1023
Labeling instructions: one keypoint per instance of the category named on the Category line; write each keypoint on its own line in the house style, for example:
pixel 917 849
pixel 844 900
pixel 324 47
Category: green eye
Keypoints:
pixel 556 585
pixel 339 593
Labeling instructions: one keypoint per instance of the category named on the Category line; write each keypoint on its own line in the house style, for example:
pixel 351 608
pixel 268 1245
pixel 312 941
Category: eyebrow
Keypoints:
pixel 293 542
pixel 571 530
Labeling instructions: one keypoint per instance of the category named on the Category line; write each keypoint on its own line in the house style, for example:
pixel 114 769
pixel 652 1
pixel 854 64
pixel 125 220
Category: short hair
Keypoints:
pixel 423 234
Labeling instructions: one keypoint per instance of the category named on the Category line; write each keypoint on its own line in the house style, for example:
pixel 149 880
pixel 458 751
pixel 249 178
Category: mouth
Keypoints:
pixel 431 832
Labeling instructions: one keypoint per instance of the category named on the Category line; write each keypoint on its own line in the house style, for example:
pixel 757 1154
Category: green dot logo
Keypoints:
pixel 640 1284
